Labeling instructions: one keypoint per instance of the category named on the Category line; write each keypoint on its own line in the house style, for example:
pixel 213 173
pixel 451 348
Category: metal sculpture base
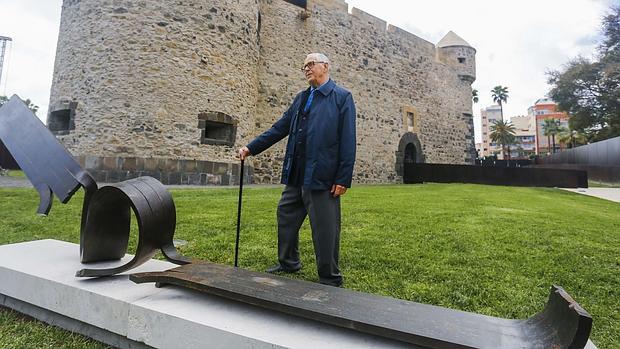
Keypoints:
pixel 562 324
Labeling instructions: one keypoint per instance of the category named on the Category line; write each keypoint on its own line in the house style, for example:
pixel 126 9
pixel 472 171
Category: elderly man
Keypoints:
pixel 317 169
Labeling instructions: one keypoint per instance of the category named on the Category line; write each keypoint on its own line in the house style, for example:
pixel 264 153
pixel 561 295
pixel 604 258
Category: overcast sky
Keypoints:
pixel 516 41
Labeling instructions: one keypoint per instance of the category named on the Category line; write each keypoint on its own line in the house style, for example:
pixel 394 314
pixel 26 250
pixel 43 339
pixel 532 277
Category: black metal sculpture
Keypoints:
pixel 104 235
pixel 106 212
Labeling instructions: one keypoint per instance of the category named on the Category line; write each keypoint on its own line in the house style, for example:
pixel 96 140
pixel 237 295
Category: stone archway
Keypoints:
pixel 409 151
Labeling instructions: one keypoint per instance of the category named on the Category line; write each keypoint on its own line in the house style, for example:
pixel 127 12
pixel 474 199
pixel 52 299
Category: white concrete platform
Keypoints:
pixel 37 278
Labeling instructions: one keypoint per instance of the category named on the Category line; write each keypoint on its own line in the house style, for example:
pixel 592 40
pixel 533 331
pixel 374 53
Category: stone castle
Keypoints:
pixel 172 89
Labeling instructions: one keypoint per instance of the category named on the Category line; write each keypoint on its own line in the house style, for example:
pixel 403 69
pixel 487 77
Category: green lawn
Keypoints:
pixel 18 331
pixel 486 249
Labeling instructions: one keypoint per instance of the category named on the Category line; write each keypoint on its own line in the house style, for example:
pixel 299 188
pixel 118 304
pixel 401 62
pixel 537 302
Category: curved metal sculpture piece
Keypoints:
pixel 106 212
pixel 106 234
pixel 562 323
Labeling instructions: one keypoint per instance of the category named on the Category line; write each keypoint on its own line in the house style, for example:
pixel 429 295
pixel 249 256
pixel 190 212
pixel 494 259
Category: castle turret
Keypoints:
pixel 456 52
pixel 167 80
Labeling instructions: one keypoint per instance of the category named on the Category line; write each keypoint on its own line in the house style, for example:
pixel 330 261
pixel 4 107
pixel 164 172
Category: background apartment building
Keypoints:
pixel 545 108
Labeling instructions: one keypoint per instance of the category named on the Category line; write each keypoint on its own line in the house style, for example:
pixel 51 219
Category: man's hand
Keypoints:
pixel 338 190
pixel 244 153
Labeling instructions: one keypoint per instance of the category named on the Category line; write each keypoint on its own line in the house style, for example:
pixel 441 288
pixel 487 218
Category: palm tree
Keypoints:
pixel 564 137
pixel 551 128
pixel 500 95
pixel 503 133
pixel 572 138
pixel 474 96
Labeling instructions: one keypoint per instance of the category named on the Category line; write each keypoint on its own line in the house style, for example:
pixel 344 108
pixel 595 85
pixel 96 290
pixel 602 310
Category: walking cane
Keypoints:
pixel 239 214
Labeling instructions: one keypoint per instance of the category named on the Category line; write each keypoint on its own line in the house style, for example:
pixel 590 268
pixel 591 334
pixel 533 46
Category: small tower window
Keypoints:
pixel 217 128
pixel 461 60
pixel 300 3
pixel 62 120
pixel 410 121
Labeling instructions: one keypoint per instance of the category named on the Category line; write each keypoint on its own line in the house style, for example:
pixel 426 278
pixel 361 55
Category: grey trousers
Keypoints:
pixel 324 213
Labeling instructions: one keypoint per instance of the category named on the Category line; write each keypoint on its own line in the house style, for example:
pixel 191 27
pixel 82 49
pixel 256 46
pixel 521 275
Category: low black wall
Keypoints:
pixel 605 174
pixel 525 177
pixel 601 160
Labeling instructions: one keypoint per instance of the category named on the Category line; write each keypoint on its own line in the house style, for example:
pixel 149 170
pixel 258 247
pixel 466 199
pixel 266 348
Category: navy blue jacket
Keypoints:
pixel 330 142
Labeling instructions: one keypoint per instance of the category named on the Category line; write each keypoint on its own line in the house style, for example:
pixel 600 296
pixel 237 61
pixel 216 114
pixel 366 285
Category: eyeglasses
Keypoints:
pixel 310 65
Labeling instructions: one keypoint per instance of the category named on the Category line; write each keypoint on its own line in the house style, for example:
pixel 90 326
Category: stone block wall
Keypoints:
pixel 111 169
pixel 146 77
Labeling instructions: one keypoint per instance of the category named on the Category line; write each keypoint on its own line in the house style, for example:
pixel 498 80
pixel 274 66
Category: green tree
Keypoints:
pixel 28 102
pixel 474 96
pixel 500 96
pixel 503 133
pixel 589 90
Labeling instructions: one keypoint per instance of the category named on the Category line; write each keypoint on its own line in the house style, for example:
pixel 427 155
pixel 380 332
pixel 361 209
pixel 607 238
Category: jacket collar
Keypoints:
pixel 326 88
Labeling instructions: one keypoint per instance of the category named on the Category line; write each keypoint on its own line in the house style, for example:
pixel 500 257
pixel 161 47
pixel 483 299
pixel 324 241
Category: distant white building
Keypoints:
pixel 488 116
pixel 525 133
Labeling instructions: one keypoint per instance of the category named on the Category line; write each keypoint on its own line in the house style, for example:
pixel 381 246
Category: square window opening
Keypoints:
pixel 60 120
pixel 218 133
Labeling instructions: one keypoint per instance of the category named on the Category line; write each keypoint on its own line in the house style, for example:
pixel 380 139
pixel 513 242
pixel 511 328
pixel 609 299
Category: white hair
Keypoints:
pixel 318 57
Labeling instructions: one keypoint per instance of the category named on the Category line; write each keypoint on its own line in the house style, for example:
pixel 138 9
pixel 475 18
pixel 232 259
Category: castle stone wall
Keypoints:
pixel 144 73
pixel 385 70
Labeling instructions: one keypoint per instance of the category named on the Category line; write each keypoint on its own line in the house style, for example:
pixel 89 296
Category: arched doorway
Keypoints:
pixel 409 152
pixel 408 161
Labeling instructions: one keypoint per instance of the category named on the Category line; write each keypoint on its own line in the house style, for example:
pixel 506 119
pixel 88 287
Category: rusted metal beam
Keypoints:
pixel 562 323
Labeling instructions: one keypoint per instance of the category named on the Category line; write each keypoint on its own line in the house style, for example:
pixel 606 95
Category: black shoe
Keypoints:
pixel 335 284
pixel 279 269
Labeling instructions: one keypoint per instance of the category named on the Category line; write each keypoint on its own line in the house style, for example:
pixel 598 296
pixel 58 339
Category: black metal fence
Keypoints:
pixel 522 176
pixel 601 160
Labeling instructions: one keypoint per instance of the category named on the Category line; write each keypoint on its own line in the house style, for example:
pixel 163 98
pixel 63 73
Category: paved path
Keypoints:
pixel 611 194
pixel 14 182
